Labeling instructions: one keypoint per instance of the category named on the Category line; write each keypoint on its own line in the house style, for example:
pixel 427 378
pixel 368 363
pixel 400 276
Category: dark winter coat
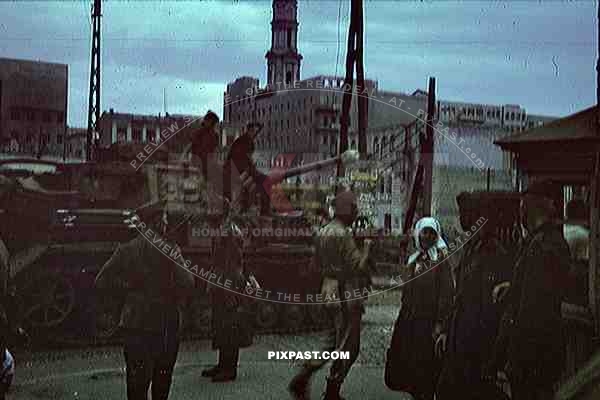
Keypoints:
pixel 531 336
pixel 231 310
pixel 484 263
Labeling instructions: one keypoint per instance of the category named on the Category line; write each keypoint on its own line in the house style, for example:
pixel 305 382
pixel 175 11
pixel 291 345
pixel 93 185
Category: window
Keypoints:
pixel 353 145
pixel 59 139
pixel 47 116
pixel 60 117
pixel 288 78
pixel 14 114
pixel 289 38
pixel 30 115
pixel 288 106
pixel 136 135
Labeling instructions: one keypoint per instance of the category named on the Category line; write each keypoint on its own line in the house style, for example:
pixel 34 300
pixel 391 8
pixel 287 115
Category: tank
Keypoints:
pixel 61 225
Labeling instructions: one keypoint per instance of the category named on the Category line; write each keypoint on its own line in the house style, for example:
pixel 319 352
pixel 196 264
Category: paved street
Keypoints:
pixel 98 373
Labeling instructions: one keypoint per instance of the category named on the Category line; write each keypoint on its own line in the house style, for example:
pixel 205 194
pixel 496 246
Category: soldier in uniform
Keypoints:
pixel 531 343
pixel 343 266
pixel 230 309
pixel 239 160
pixel 485 262
pixel 151 315
pixel 205 141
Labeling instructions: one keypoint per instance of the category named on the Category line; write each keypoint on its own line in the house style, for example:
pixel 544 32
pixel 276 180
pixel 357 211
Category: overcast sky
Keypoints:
pixel 540 55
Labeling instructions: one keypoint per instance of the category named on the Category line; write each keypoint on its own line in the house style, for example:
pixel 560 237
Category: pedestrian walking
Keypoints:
pixel 418 340
pixel 151 315
pixel 486 261
pixel 343 267
pixel 531 344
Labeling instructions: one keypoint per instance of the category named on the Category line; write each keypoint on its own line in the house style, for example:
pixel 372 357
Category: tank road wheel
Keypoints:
pixel 266 314
pixel 293 315
pixel 50 300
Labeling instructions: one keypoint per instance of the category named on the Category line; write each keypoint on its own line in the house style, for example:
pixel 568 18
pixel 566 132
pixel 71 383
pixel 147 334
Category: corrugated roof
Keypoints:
pixel 581 125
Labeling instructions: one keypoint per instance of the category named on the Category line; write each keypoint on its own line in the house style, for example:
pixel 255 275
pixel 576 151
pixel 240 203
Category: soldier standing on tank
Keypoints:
pixel 342 266
pixel 531 343
pixel 239 161
pixel 205 141
pixel 151 315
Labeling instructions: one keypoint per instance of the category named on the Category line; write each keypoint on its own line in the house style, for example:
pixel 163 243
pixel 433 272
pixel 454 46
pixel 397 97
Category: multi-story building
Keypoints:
pixel 301 117
pixel 512 117
pixel 33 107
pixel 76 143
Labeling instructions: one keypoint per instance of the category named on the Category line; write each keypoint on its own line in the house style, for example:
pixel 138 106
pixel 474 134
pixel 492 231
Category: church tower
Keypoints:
pixel 283 60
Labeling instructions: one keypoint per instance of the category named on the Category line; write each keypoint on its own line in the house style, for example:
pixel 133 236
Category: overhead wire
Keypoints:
pixel 492 43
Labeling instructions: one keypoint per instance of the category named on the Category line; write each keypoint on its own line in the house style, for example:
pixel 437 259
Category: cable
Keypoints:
pixel 379 42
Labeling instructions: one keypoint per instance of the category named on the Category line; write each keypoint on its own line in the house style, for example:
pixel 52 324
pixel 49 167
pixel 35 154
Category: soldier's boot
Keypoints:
pixel 229 370
pixel 299 387
pixel 332 392
pixel 213 371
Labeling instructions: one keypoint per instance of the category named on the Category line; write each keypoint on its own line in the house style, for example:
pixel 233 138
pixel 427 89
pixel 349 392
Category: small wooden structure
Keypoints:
pixel 565 151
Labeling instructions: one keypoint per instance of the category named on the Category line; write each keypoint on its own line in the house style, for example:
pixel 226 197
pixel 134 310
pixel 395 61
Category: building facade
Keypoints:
pixel 301 119
pixel 33 107
pixel 76 143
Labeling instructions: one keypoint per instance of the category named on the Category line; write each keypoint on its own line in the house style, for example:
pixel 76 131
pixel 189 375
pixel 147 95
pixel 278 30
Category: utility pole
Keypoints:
pixel 427 149
pixel 360 78
pixel 354 56
pixel 94 99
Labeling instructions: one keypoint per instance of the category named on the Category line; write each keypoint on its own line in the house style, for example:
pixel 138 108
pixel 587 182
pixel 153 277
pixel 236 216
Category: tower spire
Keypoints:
pixel 283 59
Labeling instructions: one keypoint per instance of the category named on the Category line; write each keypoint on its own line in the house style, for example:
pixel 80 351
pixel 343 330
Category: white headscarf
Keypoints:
pixel 433 251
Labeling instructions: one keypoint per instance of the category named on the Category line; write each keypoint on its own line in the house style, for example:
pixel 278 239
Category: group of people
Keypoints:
pixel 158 289
pixel 483 325
pixel 494 313
pixel 463 322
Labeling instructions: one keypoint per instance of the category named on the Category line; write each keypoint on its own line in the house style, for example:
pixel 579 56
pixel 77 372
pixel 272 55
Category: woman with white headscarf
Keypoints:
pixel 412 359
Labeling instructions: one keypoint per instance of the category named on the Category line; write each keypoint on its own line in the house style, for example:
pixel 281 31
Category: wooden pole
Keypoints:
pixel 427 149
pixel 348 85
pixel 360 78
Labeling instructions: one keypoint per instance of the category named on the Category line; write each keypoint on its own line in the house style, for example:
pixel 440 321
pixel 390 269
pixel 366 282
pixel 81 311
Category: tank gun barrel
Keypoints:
pixel 347 158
